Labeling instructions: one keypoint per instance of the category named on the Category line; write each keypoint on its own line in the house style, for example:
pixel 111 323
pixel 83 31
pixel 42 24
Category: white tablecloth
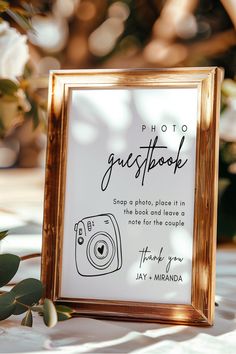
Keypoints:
pixel 83 335
pixel 21 211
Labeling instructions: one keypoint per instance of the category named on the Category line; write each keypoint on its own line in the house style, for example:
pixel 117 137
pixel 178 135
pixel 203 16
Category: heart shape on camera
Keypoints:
pixel 101 249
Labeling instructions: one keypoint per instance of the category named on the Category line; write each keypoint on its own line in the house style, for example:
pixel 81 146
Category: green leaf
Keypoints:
pixel 21 20
pixel 28 292
pixel 3 234
pixel 62 308
pixel 8 87
pixel 49 313
pixel 63 312
pixel 34 113
pixel 9 264
pixel 2 129
pixel 28 319
pixel 62 316
pixel 7 305
pixel 4 5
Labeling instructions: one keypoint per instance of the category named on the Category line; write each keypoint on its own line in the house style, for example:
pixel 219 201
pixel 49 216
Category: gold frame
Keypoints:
pixel 207 80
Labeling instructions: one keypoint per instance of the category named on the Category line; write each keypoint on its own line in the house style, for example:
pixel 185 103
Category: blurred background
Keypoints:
pixel 37 36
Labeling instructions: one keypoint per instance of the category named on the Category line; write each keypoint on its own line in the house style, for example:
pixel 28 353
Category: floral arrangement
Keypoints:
pixel 18 99
pixel 14 55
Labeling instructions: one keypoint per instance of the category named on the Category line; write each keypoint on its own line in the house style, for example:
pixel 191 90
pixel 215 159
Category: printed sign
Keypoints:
pixel 130 193
pixel 129 201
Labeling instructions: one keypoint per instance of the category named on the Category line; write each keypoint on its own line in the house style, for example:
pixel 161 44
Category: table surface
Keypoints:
pixel 21 200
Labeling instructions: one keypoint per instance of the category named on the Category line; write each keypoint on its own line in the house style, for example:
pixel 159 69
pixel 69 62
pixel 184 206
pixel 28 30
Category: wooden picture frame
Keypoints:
pixel 205 83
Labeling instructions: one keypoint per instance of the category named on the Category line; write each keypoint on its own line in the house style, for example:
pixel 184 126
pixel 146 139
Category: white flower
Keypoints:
pixel 14 52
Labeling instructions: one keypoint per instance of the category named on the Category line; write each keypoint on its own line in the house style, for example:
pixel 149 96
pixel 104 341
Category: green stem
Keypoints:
pixel 24 305
pixel 30 256
pixel 37 308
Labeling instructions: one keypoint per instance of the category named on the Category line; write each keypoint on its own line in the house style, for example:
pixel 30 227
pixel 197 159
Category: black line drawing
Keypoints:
pixel 97 245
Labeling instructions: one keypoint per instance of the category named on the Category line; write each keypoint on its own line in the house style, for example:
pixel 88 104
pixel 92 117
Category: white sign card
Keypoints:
pixel 129 203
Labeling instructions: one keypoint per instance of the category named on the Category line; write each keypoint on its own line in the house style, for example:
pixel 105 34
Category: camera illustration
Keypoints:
pixel 97 245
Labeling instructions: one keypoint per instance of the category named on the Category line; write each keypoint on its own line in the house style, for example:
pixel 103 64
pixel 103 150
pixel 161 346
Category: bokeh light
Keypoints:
pixel 51 33
pixel 119 10
pixel 86 11
pixel 103 39
pixel 67 11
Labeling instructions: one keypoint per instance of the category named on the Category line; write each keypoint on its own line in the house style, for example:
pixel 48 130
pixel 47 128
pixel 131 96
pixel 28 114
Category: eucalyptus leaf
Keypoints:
pixel 49 313
pixel 2 128
pixel 3 234
pixel 8 87
pixel 28 319
pixel 7 305
pixel 9 264
pixel 28 292
pixel 63 312
pixel 62 308
pixel 63 316
pixel 34 113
